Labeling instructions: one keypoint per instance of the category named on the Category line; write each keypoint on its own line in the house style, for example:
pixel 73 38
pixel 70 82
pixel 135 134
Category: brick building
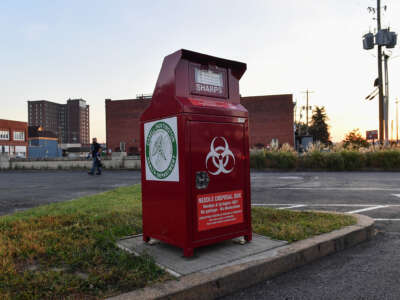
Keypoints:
pixel 69 122
pixel 122 124
pixel 271 120
pixel 13 138
pixel 77 122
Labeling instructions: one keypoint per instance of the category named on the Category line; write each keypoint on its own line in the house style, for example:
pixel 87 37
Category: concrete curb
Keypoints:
pixel 227 280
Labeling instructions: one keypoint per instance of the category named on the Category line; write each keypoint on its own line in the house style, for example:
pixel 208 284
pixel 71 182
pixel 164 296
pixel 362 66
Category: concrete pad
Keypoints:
pixel 208 257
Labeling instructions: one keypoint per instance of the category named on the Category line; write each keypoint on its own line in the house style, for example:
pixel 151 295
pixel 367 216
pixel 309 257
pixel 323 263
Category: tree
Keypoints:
pixel 319 129
pixel 354 139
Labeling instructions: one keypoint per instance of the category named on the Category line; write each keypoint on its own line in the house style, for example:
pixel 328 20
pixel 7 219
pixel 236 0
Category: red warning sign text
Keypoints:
pixel 219 209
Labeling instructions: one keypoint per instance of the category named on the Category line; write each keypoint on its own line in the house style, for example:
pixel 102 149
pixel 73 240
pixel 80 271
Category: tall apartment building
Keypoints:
pixel 77 120
pixel 69 122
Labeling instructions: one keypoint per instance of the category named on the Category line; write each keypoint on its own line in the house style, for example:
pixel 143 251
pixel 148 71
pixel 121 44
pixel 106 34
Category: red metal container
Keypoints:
pixel 195 154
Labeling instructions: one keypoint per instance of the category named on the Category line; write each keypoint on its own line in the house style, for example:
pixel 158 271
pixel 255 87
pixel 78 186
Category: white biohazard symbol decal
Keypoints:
pixel 220 157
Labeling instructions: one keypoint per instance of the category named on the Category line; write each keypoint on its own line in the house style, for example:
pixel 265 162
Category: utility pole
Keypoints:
pixel 388 39
pixel 307 92
pixel 391 129
pixel 386 97
pixel 397 120
pixel 380 84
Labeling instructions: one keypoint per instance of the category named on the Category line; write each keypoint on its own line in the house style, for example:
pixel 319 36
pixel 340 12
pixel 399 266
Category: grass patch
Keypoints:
pixel 294 226
pixel 67 250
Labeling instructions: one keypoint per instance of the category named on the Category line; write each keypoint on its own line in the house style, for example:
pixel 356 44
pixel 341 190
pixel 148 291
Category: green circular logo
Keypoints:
pixel 161 150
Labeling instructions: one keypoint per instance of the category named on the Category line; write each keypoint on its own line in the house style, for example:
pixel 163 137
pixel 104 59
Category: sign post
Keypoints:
pixel 372 135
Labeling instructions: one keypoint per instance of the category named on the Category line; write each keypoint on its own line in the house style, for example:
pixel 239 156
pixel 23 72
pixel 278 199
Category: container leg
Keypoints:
pixel 188 252
pixel 248 237
pixel 146 238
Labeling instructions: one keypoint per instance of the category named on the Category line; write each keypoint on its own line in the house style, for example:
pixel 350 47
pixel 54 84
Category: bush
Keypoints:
pixel 391 159
pixel 353 160
pixel 281 160
pixel 257 160
pixel 334 161
pixel 313 160
pixel 373 160
pixel 388 159
pixel 338 160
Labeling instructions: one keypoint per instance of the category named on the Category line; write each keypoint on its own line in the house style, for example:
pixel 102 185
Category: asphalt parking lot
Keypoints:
pixel 367 271
pixel 21 190
pixel 374 194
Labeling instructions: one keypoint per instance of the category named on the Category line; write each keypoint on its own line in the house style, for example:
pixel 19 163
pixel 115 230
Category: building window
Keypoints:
pixel 19 136
pixel 4 135
pixel 20 151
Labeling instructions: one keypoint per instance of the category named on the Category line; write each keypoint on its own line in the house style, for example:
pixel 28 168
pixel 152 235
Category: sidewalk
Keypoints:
pixel 221 269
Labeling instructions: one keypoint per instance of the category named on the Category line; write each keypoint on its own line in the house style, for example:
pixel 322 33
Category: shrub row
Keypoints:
pixel 349 160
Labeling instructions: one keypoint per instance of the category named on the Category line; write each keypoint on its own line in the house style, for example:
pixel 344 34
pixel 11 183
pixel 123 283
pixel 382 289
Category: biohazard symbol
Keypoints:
pixel 220 158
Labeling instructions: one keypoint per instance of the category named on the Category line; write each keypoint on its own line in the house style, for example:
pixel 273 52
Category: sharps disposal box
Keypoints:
pixel 195 154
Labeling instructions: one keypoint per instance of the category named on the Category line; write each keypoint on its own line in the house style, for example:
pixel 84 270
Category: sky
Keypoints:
pixel 55 50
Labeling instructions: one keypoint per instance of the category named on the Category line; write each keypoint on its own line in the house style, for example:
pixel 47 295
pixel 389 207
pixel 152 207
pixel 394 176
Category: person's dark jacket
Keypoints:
pixel 95 148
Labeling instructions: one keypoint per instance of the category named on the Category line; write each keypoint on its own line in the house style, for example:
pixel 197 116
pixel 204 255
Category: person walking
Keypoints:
pixel 95 151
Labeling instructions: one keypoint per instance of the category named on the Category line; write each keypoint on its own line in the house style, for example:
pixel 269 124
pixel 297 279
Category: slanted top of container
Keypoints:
pixel 191 82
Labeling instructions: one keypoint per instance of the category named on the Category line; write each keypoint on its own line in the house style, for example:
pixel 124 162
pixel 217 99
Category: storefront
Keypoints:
pixel 13 138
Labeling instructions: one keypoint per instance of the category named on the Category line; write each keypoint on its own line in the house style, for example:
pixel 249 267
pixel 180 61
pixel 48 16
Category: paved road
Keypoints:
pixel 25 189
pixel 368 271
pixel 375 194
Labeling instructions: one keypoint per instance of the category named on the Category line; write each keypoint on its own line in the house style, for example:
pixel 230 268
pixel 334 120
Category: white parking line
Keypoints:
pixel 366 209
pixel 293 206
pixel 337 189
pixel 397 195
pixel 322 204
pixel 290 177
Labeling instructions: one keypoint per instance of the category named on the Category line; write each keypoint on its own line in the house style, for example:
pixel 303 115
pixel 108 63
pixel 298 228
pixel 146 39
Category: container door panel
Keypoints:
pixel 218 178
